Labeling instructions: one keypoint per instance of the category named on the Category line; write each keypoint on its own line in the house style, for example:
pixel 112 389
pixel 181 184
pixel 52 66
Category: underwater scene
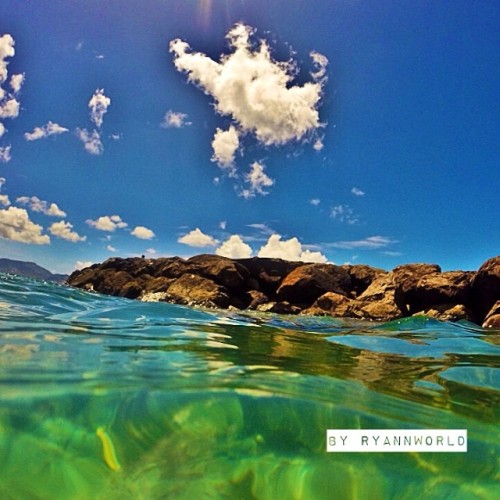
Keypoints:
pixel 105 397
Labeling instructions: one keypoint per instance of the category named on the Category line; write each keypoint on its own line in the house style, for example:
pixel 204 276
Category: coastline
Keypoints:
pixel 285 287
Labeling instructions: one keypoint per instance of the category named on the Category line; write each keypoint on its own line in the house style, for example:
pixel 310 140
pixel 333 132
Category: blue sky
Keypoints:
pixel 319 130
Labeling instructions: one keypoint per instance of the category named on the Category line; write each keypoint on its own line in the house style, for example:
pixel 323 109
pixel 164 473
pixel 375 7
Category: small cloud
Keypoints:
pixel 4 200
pixel 290 249
pixel 82 264
pixel 318 145
pixel 107 223
pixel 344 214
pixel 392 254
pixel 37 205
pixel 196 238
pixel 9 108
pixel 5 155
pixel 98 105
pixel 357 192
pixel 234 248
pixel 91 141
pixel 100 56
pixel 2 129
pixel 258 180
pixel 16 82
pixel 111 248
pixel 116 137
pixel 263 228
pixel 46 130
pixel 15 225
pixel 370 243
pixel 315 201
pixel 142 233
pixel 225 145
pixel 63 229
pixel 321 62
pixel 222 225
pixel 175 119
pixel 79 46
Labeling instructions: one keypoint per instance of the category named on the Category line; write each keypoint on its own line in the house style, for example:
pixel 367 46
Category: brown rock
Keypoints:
pixel 196 290
pixel 309 281
pixel 362 276
pixel 492 319
pixel 334 304
pixel 256 298
pixel 224 271
pixel 447 312
pixel 433 289
pixel 486 288
pixel 279 308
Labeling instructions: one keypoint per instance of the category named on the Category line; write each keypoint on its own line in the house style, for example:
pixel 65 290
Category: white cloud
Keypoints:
pixel 111 248
pixel 223 224
pixel 37 205
pixel 63 229
pixel 151 251
pixel 225 145
pixel 318 145
pixel 107 223
pixel 98 105
pixel 357 192
pixel 258 180
pixel 255 91
pixel 142 233
pixel 50 128
pixel 9 108
pixel 91 141
pixel 6 50
pixel 234 248
pixel 4 200
pixel 175 119
pixel 16 82
pixel 2 129
pixel 81 264
pixel 344 214
pixel 5 155
pixel 370 243
pixel 315 202
pixel 16 225
pixel 196 238
pixel 321 62
pixel 290 249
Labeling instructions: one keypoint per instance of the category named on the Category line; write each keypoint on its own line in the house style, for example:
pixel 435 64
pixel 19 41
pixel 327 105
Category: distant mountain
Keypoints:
pixel 30 269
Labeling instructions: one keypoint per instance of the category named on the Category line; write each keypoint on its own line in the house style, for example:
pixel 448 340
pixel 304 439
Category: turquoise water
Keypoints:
pixel 103 397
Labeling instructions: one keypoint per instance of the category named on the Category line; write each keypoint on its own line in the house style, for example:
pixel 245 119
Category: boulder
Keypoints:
pixel 309 281
pixel 279 308
pixel 362 276
pixel 256 298
pixel 226 272
pixel 485 288
pixel 447 312
pixel 190 289
pixel 434 289
pixel 267 274
pixel 492 319
pixel 334 304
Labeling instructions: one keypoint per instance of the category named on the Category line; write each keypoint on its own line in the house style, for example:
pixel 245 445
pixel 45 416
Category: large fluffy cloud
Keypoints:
pixel 46 130
pixel 290 249
pixel 63 229
pixel 16 225
pixel 234 248
pixel 37 205
pixel 255 91
pixel 197 238
pixel 108 223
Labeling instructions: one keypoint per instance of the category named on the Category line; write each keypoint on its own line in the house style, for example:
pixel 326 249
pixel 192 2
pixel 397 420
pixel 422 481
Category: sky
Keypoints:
pixel 341 131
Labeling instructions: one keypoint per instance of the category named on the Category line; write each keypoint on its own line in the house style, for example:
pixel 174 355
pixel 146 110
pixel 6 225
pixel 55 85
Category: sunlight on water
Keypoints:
pixel 103 397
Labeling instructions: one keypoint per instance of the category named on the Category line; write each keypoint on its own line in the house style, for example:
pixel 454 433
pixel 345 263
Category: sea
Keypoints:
pixel 108 398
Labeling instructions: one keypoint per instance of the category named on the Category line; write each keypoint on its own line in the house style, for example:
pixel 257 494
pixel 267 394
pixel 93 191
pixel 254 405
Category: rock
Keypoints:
pixel 362 276
pixel 378 301
pixel 196 290
pixel 492 319
pixel 224 271
pixel 485 288
pixel 334 304
pixel 434 289
pixel 159 284
pixel 131 290
pixel 256 298
pixel 267 274
pixel 279 308
pixel 154 297
pixel 309 281
pixel 447 312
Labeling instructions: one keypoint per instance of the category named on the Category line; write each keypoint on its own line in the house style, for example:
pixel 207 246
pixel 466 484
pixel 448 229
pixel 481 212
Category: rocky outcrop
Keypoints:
pixel 275 285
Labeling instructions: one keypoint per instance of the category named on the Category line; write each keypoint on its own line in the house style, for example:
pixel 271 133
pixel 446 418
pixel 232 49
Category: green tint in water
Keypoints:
pixel 108 398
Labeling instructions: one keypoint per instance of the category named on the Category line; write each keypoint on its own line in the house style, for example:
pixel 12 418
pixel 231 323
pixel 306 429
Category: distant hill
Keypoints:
pixel 30 269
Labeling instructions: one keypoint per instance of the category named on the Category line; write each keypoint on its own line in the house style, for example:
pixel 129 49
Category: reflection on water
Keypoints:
pixel 102 397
